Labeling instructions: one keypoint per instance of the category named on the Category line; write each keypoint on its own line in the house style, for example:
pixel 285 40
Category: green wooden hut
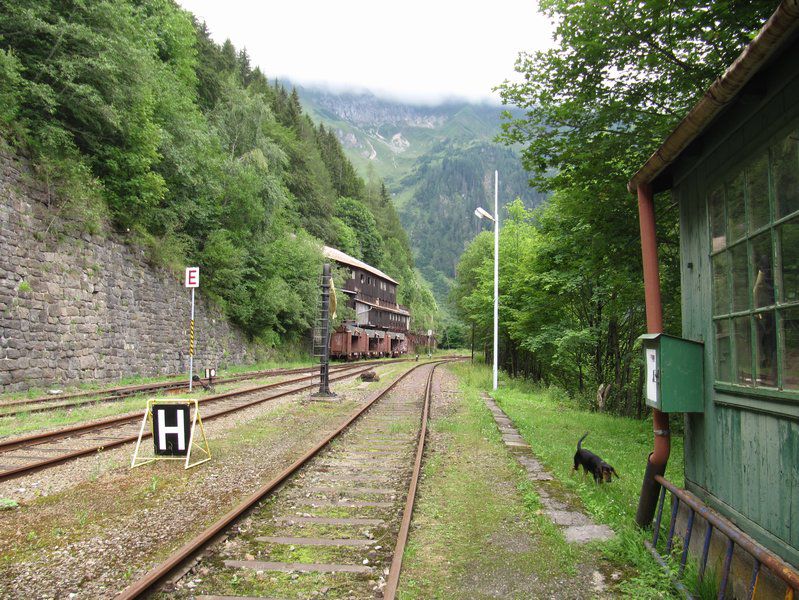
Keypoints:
pixel 733 167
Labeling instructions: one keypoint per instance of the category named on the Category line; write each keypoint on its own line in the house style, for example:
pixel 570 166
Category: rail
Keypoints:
pixel 95 426
pixel 762 557
pixel 122 392
pixel 155 576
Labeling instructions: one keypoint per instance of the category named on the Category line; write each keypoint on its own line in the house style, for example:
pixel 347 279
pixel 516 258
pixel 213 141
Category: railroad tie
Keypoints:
pixel 352 456
pixel 232 598
pixel 309 541
pixel 351 490
pixel 370 453
pixel 320 502
pixel 257 565
pixel 331 478
pixel 357 521
pixel 353 466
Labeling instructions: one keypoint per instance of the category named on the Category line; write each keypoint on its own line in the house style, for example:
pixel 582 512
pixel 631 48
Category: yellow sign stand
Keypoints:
pixel 138 460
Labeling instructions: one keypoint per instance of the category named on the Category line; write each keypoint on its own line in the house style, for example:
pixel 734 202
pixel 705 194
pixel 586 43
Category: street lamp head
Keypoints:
pixel 481 213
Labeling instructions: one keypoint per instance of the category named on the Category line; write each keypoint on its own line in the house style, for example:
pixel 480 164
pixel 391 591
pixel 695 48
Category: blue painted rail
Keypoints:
pixel 761 556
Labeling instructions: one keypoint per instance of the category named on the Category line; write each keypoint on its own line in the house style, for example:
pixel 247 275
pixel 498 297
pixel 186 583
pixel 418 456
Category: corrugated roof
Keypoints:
pixel 346 259
pixel 780 26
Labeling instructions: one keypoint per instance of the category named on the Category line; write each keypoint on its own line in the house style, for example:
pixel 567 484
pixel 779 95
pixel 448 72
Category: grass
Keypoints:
pixel 477 532
pixel 87 386
pixel 552 424
pixel 26 422
pixel 87 410
pixel 8 504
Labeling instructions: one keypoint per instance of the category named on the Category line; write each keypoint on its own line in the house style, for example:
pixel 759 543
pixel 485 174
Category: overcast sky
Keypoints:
pixel 414 50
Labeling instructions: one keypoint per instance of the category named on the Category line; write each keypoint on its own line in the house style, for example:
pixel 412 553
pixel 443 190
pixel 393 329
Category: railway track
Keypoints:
pixel 336 519
pixel 23 455
pixel 115 394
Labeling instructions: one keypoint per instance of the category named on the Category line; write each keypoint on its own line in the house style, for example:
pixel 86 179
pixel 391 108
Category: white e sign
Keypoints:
pixel 192 277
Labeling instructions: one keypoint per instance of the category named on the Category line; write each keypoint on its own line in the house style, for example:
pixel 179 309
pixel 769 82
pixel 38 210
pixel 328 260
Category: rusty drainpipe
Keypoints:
pixel 656 463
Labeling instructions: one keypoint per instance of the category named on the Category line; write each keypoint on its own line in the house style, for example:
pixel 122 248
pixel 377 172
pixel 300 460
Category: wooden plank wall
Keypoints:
pixel 743 461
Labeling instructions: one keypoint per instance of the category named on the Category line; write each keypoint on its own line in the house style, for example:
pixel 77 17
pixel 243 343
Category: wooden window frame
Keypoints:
pixel 757 397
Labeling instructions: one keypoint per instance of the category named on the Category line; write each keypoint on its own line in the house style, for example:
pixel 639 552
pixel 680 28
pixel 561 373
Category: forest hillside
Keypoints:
pixel 134 116
pixel 438 164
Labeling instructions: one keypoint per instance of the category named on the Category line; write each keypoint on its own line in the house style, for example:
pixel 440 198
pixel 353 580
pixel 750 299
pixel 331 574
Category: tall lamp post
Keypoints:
pixel 481 213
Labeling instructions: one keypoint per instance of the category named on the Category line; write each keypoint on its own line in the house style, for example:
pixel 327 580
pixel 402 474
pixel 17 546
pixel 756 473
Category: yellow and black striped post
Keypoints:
pixel 192 281
pixel 191 343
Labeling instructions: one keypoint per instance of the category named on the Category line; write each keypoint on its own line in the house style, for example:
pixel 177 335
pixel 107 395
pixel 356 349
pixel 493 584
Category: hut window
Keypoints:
pixel 753 222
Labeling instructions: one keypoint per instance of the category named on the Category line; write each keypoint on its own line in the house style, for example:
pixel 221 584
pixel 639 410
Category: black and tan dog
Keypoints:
pixel 590 462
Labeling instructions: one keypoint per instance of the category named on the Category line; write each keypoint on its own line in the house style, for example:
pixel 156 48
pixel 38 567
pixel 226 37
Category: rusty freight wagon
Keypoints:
pixel 381 325
pixel 732 165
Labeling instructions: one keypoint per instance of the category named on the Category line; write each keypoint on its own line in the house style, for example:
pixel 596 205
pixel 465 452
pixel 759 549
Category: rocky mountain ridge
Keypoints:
pixel 386 137
pixel 438 163
pixel 365 109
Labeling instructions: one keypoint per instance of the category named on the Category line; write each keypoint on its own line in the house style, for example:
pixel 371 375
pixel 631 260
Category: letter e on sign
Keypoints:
pixel 192 277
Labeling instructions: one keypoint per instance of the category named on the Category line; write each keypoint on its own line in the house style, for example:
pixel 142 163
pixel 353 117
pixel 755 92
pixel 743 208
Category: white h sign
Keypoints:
pixel 177 429
pixel 177 440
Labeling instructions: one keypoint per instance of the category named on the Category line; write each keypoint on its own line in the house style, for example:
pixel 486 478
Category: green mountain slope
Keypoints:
pixel 438 163
pixel 386 138
pixel 446 186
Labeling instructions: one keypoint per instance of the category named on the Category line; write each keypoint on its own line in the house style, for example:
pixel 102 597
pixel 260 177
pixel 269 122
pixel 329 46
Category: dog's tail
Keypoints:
pixel 580 442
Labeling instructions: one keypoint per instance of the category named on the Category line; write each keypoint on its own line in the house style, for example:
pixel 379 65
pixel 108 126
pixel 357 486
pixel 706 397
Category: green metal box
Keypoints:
pixel 674 373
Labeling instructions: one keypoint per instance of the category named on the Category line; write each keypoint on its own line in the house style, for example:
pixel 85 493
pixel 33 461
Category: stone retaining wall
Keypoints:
pixel 77 307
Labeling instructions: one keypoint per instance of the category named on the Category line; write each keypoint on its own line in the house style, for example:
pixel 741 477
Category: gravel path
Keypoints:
pixel 95 525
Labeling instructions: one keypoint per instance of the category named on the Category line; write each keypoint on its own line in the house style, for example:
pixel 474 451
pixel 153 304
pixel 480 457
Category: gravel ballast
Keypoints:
pixel 86 528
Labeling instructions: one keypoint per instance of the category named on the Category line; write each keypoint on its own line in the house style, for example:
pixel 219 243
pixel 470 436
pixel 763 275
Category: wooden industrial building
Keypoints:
pixel 732 166
pixel 381 325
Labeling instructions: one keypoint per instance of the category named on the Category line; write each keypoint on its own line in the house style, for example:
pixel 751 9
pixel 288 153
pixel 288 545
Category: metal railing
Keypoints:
pixel 761 556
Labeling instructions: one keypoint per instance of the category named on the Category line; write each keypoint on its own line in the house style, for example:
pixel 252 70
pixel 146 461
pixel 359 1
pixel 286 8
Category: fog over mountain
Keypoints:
pixel 437 161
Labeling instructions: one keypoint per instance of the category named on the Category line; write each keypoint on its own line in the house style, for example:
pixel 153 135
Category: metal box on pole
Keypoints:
pixel 674 373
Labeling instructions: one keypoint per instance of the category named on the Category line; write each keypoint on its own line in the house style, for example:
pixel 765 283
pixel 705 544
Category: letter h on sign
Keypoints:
pixel 177 431
pixel 171 429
